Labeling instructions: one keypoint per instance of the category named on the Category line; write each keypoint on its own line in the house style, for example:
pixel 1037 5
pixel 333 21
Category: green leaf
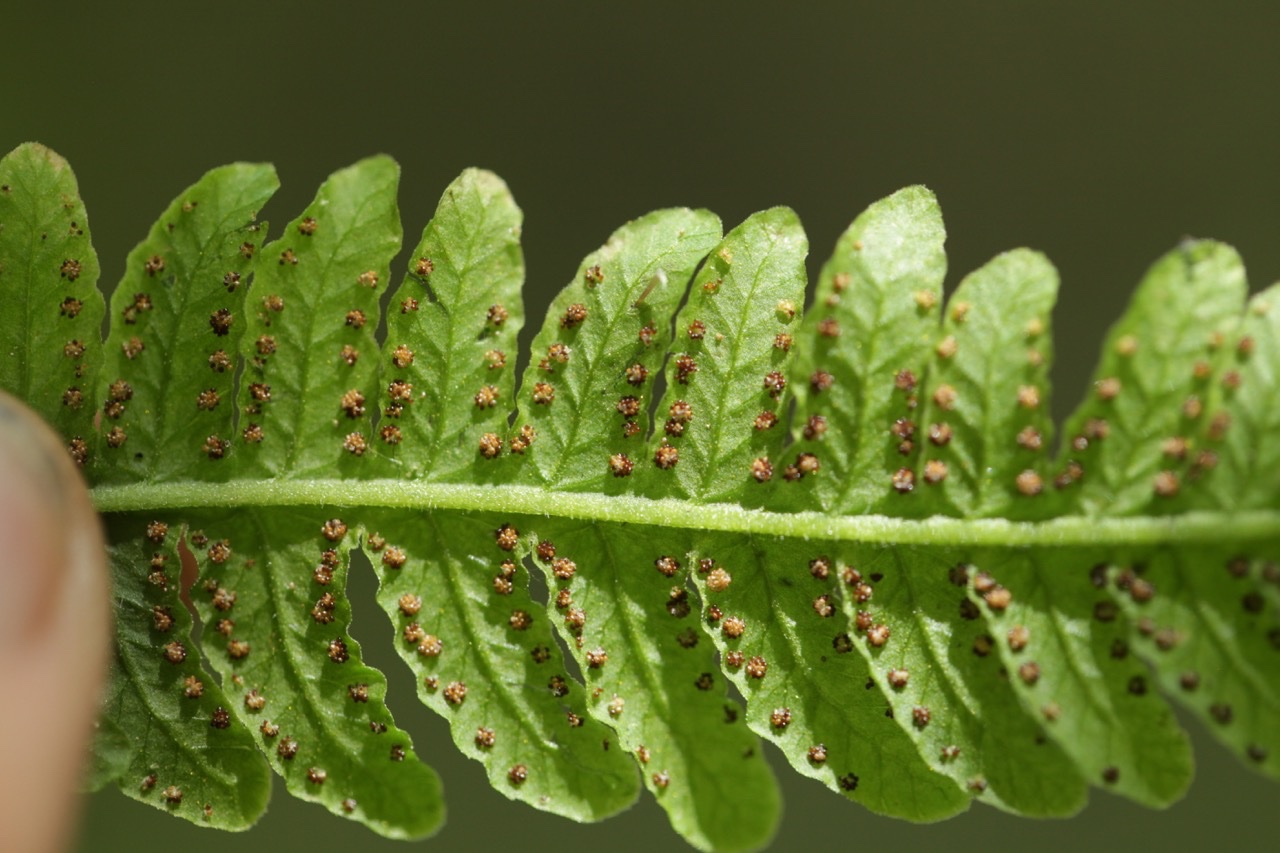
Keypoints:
pixel 1147 428
pixel 309 349
pixel 733 344
pixel 983 429
pixel 650 675
pixel 49 335
pixel 855 518
pixel 1248 460
pixel 596 358
pixel 484 658
pixel 1068 659
pixel 870 329
pixel 807 689
pixel 177 319
pixel 1206 624
pixel 168 734
pixel 464 277
pixel 972 731
pixel 272 598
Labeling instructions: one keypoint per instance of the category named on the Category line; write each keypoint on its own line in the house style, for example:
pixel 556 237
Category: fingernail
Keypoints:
pixel 40 520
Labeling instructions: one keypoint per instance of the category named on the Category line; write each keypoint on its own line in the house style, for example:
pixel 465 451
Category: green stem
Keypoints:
pixel 1241 528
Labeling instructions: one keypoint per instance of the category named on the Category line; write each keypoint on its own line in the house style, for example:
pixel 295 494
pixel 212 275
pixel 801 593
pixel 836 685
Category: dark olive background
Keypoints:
pixel 1100 133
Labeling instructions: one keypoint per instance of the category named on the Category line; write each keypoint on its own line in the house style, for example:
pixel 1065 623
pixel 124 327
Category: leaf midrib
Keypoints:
pixel 1195 527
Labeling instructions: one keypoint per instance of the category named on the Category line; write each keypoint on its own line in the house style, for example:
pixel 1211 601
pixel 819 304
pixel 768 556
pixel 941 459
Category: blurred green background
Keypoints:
pixel 1100 133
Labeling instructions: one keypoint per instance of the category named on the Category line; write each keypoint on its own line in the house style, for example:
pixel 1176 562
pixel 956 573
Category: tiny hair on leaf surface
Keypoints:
pixel 714 512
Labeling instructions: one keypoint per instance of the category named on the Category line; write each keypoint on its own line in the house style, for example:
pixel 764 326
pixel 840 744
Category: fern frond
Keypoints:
pixel 854 514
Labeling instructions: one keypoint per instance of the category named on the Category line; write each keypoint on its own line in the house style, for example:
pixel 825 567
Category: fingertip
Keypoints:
pixel 54 629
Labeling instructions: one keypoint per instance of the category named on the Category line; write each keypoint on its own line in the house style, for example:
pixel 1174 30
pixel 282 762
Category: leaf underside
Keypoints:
pixel 853 514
